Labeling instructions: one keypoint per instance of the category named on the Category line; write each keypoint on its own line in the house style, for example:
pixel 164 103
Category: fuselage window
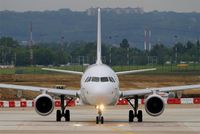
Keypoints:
pixel 104 79
pixel 95 79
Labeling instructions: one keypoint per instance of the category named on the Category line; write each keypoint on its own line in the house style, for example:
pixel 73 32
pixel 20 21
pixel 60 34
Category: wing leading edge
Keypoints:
pixel 63 71
pixel 67 92
pixel 140 92
pixel 135 71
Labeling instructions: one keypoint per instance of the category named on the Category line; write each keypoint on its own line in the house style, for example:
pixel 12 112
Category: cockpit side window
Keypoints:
pixel 104 79
pixel 111 79
pixel 86 80
pixel 89 79
pixel 95 79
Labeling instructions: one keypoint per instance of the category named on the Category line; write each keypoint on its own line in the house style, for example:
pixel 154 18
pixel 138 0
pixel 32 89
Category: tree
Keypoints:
pixel 43 56
pixel 161 52
pixel 7 50
pixel 22 57
pixel 189 45
pixel 124 43
pixel 8 42
pixel 198 50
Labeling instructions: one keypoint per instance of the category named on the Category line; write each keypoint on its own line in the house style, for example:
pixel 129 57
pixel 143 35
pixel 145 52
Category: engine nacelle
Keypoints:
pixel 44 104
pixel 154 105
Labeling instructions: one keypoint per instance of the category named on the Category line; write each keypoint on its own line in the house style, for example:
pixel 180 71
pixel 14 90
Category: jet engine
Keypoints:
pixel 44 104
pixel 154 105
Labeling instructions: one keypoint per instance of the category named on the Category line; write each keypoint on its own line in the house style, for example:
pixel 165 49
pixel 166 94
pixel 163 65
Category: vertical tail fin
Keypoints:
pixel 99 61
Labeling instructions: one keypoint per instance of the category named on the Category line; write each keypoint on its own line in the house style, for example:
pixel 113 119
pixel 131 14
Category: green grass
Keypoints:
pixel 165 69
pixel 7 71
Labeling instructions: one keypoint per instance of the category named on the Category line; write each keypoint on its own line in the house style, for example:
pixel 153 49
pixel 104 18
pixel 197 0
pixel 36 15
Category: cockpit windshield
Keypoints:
pixel 95 79
pixel 104 79
pixel 99 79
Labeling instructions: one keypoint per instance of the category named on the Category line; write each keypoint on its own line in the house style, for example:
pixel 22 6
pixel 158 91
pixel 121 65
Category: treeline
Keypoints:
pixel 80 52
pixel 49 26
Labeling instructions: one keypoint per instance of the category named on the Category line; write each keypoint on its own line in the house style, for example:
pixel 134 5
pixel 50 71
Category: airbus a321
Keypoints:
pixel 99 87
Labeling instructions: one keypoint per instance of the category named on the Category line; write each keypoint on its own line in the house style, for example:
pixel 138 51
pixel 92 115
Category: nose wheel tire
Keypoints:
pixel 99 119
pixel 102 120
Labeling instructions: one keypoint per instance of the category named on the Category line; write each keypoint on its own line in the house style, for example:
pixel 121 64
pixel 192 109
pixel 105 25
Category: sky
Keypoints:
pixel 81 5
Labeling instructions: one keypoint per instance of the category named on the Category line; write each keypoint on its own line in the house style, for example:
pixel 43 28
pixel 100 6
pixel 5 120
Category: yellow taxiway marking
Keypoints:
pixel 121 131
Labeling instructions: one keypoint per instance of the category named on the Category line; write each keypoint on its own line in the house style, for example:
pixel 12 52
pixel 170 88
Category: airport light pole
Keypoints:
pixel 128 58
pixel 176 49
pixel 198 51
pixel 176 54
pixel 110 56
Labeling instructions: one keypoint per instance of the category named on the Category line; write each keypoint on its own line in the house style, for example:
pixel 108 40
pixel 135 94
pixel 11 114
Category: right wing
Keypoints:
pixel 67 92
pixel 141 92
pixel 63 71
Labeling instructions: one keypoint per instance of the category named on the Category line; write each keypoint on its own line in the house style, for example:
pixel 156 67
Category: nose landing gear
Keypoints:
pixel 99 118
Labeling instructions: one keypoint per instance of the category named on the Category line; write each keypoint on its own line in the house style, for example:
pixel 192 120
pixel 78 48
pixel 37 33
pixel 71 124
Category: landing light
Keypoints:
pixel 97 107
pixel 100 107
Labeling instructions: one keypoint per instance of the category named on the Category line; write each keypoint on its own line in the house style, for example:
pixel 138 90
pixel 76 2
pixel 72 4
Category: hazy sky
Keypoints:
pixel 148 5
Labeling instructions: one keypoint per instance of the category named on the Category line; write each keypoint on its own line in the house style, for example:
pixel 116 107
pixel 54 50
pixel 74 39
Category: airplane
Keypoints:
pixel 100 87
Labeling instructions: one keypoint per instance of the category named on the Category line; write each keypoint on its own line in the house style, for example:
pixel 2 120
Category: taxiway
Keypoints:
pixel 177 119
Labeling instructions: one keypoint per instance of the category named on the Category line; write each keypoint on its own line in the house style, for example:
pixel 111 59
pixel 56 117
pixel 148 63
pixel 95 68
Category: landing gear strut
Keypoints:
pixel 99 118
pixel 63 113
pixel 135 113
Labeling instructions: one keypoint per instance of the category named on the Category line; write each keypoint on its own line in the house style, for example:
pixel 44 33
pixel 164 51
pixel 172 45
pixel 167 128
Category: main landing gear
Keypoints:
pixel 135 113
pixel 99 118
pixel 63 113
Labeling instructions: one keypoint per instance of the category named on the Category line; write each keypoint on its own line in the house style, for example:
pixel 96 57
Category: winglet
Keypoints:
pixel 99 61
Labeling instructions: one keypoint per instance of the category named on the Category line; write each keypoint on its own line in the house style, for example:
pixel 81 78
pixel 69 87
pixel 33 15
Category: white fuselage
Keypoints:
pixel 99 85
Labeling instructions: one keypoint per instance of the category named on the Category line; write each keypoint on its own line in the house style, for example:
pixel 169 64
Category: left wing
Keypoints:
pixel 140 92
pixel 67 92
pixel 135 71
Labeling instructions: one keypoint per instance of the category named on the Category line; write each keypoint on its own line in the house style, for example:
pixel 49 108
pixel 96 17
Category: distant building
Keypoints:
pixel 6 66
pixel 129 10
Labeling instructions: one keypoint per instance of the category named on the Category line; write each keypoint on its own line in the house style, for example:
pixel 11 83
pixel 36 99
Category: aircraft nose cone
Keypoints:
pixel 100 94
pixel 102 90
